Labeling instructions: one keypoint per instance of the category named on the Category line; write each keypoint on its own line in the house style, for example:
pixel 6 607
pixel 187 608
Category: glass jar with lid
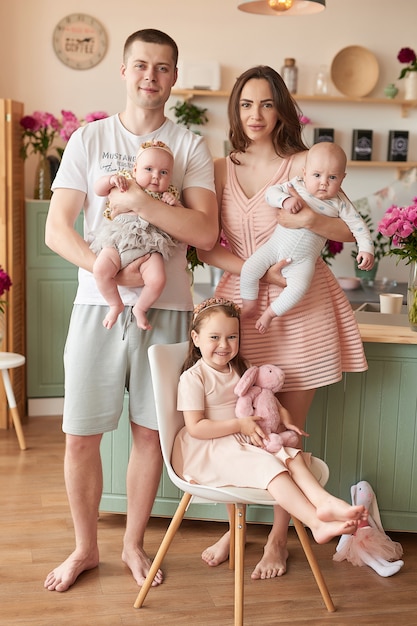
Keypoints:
pixel 289 73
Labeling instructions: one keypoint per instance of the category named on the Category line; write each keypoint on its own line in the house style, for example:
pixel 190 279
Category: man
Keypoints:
pixel 101 363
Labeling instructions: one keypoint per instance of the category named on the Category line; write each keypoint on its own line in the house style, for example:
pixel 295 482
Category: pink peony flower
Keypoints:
pixel 41 128
pixel 400 225
pixel 5 284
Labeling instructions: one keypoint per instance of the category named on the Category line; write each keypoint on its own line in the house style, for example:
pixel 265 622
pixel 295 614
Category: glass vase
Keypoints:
pixel 412 296
pixel 43 179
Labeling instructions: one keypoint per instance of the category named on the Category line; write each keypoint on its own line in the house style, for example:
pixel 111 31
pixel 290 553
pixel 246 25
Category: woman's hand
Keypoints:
pixel 273 275
pixel 302 218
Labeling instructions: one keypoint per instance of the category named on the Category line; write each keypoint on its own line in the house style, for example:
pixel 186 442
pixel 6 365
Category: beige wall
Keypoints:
pixel 214 29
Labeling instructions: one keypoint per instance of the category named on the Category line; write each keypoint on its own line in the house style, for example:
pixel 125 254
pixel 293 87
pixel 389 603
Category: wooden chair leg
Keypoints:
pixel 18 427
pixel 240 531
pixel 13 409
pixel 232 548
pixel 163 549
pixel 315 568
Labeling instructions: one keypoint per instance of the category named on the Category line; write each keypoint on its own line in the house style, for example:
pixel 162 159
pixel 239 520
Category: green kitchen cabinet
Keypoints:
pixel 51 283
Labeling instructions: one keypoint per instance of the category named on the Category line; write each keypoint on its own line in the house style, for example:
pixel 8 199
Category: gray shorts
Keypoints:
pixel 101 365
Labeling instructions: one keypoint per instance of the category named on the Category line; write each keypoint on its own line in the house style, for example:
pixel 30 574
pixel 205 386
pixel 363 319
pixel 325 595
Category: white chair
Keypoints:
pixel 166 362
pixel 9 360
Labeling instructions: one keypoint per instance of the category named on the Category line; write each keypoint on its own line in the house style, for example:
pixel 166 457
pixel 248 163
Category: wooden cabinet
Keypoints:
pixel 51 287
pixel 364 427
pixel 12 248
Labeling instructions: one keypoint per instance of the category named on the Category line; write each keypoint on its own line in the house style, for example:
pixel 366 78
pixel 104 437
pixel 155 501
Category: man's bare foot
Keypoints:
pixel 335 509
pixel 273 563
pixel 218 552
pixel 62 577
pixel 141 319
pixel 325 531
pixel 139 564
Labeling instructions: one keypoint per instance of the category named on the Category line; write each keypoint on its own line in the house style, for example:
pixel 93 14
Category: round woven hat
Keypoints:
pixel 355 71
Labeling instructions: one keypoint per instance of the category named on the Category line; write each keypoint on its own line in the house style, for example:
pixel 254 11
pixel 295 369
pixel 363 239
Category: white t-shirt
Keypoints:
pixel 104 147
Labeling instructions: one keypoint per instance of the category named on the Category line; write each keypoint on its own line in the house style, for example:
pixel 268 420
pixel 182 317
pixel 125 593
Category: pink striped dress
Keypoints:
pixel 318 339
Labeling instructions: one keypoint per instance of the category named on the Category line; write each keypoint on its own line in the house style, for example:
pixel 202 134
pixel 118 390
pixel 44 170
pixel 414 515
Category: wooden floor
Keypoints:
pixel 36 534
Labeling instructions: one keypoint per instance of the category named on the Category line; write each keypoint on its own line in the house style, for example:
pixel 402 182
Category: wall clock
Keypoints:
pixel 80 41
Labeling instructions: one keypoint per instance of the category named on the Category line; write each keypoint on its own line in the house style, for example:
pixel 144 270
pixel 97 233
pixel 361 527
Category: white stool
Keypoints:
pixel 9 360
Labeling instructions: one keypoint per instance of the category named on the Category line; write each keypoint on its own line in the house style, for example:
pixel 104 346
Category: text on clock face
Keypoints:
pixel 80 46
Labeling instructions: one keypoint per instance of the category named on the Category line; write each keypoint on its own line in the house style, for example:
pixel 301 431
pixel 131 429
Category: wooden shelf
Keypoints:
pixel 405 105
pixel 398 165
pixel 187 94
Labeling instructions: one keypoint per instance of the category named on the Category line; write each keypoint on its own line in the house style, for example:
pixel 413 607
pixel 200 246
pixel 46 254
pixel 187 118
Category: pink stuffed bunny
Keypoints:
pixel 255 391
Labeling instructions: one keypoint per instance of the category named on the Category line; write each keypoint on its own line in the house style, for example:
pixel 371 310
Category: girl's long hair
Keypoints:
pixel 286 136
pixel 193 355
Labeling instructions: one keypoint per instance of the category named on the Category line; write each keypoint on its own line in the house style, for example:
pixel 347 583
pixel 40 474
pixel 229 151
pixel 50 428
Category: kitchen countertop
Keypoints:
pixel 374 327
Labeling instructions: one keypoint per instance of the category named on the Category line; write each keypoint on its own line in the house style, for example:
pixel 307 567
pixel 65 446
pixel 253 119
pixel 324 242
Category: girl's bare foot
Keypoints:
pixel 334 509
pixel 273 563
pixel 325 531
pixel 218 552
pixel 139 564
pixel 62 577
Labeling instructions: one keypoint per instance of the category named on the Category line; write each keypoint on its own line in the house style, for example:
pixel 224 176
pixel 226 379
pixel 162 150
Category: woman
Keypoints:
pixel 318 339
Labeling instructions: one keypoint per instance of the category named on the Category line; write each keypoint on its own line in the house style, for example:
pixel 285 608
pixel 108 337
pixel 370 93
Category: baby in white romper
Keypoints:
pixel 320 188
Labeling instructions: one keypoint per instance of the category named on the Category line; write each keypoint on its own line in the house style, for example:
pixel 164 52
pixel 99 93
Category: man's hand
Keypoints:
pixel 127 201
pixel 130 276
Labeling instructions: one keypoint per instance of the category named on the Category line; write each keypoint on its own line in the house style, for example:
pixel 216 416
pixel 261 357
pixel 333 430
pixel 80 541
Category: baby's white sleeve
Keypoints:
pixel 276 195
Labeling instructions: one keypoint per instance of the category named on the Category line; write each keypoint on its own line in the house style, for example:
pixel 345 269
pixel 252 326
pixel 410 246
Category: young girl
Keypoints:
pixel 128 236
pixel 216 448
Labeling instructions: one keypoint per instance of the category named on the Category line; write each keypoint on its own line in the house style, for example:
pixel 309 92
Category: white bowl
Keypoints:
pixel 348 283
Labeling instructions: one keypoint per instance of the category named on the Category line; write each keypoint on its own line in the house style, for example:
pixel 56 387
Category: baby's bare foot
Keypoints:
pixel 218 552
pixel 264 322
pixel 111 317
pixel 272 564
pixel 141 319
pixel 139 564
pixel 62 577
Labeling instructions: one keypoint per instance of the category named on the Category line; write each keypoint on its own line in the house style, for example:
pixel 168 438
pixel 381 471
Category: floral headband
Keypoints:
pixel 154 144
pixel 212 302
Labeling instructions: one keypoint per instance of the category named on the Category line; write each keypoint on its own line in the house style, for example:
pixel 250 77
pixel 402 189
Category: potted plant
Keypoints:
pixel 189 114
pixel 381 248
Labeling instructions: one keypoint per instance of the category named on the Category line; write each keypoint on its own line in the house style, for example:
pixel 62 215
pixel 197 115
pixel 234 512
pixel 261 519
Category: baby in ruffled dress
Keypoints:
pixel 127 237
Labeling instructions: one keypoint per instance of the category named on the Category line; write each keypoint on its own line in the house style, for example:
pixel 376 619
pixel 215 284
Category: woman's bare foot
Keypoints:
pixel 333 509
pixel 218 552
pixel 273 563
pixel 139 564
pixel 62 577
pixel 325 531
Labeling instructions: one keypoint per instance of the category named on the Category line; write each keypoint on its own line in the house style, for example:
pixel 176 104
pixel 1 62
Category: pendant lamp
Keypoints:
pixel 282 7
